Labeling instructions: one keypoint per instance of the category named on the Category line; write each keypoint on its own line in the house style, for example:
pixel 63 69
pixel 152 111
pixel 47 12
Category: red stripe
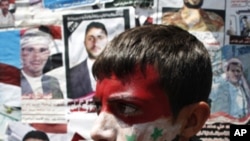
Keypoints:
pixel 9 74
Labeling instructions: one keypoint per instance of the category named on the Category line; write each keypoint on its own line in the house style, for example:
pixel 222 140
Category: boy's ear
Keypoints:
pixel 194 117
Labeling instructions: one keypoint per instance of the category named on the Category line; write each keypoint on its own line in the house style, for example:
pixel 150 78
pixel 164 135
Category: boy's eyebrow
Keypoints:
pixel 121 95
pixel 113 98
pixel 128 98
pixel 116 96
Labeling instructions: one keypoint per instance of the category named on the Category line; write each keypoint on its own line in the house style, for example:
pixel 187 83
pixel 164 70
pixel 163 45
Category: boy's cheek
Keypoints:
pixel 160 129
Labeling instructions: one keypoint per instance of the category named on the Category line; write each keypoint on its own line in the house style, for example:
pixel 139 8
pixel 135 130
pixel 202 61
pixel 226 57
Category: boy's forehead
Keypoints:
pixel 140 88
pixel 138 80
pixel 149 73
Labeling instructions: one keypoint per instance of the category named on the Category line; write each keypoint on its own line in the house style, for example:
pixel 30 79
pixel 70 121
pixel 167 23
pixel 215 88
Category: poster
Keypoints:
pixel 203 19
pixel 76 42
pixel 229 89
pixel 7 17
pixel 43 94
pixel 41 78
pixel 237 25
pixel 40 60
pixel 10 90
pixel 85 36
pixel 219 31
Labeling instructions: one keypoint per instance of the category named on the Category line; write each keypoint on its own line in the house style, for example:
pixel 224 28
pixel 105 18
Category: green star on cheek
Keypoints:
pixel 130 138
pixel 156 134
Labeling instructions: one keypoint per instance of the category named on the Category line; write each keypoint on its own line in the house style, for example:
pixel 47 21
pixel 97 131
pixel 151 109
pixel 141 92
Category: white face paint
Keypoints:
pixel 108 127
pixel 159 130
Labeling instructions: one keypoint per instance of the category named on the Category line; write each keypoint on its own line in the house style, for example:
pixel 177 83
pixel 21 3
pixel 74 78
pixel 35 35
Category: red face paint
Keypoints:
pixel 137 101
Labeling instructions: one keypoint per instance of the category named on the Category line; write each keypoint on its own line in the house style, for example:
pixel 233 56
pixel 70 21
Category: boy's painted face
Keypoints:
pixel 133 111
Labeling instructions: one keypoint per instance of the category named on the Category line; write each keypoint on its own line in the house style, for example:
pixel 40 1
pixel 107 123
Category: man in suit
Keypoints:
pixel 81 80
pixel 34 53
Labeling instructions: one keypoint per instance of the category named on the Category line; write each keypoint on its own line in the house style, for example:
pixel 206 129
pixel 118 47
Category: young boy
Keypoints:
pixel 153 84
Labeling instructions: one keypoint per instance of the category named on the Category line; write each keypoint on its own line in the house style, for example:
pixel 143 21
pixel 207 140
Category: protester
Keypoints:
pixel 153 83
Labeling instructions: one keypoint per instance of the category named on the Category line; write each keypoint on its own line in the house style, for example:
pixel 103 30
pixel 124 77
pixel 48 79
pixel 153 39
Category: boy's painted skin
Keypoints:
pixel 140 100
pixel 110 128
pixel 137 109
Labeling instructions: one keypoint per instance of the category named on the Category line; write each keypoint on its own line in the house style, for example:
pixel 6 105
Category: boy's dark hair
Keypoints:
pixel 36 135
pixel 182 61
pixel 96 25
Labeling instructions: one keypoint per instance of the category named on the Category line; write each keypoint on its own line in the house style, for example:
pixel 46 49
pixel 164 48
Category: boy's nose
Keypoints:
pixel 104 128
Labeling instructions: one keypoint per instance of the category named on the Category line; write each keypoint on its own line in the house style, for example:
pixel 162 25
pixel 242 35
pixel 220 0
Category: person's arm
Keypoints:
pixel 221 100
pixel 56 90
pixel 11 20
pixel 51 86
